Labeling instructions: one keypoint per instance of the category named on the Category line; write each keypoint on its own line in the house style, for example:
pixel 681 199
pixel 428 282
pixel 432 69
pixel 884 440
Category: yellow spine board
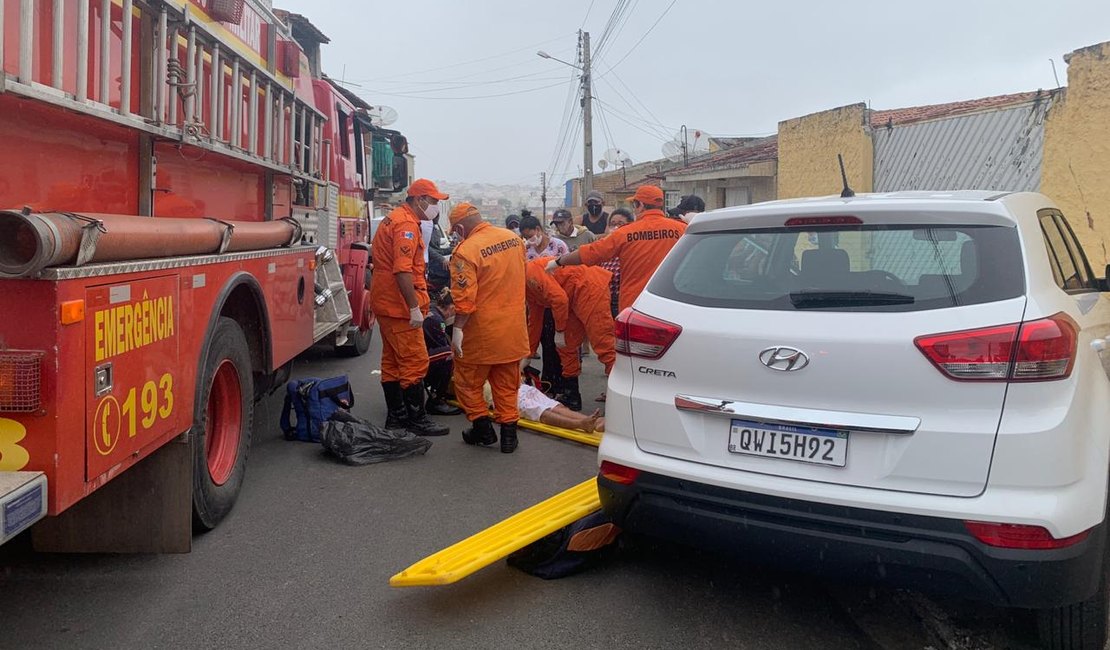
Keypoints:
pixel 592 439
pixel 478 551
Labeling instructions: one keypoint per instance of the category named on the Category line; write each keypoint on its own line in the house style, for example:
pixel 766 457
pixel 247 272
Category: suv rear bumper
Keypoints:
pixel 930 554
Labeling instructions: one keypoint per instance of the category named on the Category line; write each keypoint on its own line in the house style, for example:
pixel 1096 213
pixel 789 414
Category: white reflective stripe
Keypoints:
pixel 789 415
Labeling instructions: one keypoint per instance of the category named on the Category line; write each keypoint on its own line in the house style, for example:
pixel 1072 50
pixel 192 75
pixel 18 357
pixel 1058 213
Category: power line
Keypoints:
pixel 464 63
pixel 573 91
pixel 636 97
pixel 609 139
pixel 626 54
pixel 493 82
pixel 619 29
pixel 591 8
pixel 616 21
pixel 459 78
pixel 658 130
pixel 477 97
pixel 617 114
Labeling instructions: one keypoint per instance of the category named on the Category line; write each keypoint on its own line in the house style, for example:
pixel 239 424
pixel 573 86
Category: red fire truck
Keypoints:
pixel 185 205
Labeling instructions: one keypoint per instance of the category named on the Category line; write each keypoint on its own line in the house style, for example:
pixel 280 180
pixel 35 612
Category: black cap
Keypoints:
pixel 511 219
pixel 560 215
pixel 690 203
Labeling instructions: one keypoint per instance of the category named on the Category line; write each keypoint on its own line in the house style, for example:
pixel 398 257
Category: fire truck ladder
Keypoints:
pixel 333 309
pixel 193 88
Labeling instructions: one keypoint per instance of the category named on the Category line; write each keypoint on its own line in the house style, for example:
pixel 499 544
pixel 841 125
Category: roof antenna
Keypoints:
pixel 847 191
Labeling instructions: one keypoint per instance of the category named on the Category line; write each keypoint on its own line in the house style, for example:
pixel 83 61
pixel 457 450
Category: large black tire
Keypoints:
pixel 222 421
pixel 1081 626
pixel 358 343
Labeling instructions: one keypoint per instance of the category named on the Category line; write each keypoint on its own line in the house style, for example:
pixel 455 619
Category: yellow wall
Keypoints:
pixel 807 152
pixel 1076 167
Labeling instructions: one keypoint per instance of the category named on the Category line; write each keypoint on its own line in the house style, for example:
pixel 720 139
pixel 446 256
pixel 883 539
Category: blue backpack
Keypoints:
pixel 310 402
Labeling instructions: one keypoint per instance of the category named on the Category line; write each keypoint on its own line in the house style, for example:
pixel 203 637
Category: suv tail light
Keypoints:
pixel 1040 350
pixel 1020 536
pixel 640 335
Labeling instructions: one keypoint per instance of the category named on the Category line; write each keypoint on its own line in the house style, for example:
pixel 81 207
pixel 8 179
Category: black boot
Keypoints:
pixel 508 438
pixel 397 414
pixel 419 422
pixel 439 406
pixel 480 432
pixel 569 395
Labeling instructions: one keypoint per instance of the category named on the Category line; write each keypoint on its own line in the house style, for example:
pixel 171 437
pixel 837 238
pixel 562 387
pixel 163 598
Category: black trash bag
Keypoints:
pixel 572 549
pixel 355 441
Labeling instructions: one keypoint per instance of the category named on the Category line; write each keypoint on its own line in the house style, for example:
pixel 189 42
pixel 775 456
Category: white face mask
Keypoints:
pixel 534 240
pixel 432 211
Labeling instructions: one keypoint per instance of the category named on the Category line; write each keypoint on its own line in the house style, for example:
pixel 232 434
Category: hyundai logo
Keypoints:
pixel 784 358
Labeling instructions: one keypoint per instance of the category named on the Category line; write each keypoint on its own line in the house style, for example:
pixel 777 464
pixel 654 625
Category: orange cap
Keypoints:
pixel 649 195
pixel 424 187
pixel 462 211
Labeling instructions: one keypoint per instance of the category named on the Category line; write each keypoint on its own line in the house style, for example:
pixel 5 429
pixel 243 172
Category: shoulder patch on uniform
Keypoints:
pixel 461 281
pixel 408 235
pixel 459 266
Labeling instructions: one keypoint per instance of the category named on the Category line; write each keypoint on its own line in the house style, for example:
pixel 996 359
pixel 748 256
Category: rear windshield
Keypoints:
pixel 844 268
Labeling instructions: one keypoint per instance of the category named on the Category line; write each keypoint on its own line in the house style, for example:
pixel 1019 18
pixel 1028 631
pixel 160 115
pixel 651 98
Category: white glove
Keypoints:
pixel 456 341
pixel 552 265
pixel 560 339
pixel 416 319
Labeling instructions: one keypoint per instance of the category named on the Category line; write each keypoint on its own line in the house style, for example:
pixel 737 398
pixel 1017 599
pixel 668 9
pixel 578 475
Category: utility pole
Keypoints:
pixel 587 111
pixel 543 197
pixel 587 121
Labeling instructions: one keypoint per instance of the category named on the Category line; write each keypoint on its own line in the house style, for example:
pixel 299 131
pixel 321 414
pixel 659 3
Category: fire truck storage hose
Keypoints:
pixel 31 242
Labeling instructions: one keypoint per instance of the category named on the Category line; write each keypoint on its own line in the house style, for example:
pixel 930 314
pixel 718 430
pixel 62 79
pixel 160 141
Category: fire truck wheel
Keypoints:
pixel 222 425
pixel 358 342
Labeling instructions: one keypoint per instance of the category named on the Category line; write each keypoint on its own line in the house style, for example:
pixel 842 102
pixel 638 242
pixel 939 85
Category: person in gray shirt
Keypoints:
pixel 571 234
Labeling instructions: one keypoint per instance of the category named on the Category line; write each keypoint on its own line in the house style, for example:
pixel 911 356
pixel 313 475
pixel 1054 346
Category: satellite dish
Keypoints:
pixel 697 141
pixel 687 144
pixel 617 157
pixel 381 115
pixel 603 164
pixel 673 150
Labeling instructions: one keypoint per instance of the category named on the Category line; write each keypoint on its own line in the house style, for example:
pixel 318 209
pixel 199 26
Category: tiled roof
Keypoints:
pixel 765 149
pixel 898 116
pixel 632 187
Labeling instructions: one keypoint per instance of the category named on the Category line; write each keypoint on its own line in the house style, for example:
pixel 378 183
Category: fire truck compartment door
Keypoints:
pixel 136 392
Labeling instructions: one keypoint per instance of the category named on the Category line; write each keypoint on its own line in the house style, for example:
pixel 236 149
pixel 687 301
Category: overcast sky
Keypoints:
pixel 729 68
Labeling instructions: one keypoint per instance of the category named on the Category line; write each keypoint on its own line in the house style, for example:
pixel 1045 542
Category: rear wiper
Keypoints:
pixel 814 299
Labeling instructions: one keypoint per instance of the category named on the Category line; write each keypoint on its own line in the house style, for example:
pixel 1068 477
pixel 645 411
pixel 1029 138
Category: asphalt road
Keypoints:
pixel 305 558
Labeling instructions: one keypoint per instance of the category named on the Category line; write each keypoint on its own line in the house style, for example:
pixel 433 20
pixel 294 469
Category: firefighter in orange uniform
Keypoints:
pixel 490 336
pixel 641 245
pixel 578 299
pixel 399 299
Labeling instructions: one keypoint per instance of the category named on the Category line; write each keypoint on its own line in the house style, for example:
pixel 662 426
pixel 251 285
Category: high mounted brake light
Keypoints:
pixel 801 222
pixel 1040 350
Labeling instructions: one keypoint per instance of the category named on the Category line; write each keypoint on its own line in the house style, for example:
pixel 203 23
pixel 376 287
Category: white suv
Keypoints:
pixel 905 387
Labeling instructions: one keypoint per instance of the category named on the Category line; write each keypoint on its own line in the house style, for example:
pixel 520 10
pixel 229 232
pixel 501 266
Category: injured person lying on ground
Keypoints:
pixel 536 406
